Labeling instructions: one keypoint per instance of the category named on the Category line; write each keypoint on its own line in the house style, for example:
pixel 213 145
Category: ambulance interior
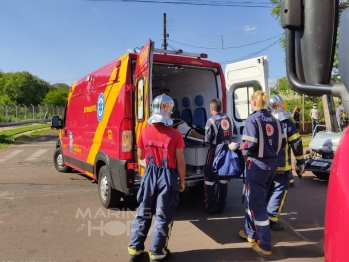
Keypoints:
pixel 191 88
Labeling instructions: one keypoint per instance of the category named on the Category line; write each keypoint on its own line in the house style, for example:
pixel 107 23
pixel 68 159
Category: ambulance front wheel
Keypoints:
pixel 108 196
pixel 59 162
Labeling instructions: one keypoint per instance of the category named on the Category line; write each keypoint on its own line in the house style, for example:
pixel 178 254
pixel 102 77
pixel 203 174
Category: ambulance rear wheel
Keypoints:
pixel 109 197
pixel 59 162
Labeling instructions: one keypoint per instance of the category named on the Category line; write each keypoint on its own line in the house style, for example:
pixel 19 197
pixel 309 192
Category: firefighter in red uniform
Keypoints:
pixel 158 193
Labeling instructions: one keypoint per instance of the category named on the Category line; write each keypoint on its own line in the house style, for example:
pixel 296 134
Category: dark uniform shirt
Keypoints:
pixel 218 129
pixel 294 141
pixel 262 136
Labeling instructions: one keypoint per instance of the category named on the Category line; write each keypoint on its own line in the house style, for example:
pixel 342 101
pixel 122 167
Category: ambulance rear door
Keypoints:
pixel 143 89
pixel 242 79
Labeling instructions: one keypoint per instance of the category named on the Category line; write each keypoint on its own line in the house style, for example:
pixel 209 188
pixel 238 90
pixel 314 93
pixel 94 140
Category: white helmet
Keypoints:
pixel 161 110
pixel 275 106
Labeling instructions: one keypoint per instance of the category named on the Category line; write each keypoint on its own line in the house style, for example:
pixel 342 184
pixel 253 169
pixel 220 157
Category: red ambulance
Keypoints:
pixel 107 109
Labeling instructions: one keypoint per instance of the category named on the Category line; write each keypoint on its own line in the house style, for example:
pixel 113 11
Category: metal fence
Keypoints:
pixel 12 114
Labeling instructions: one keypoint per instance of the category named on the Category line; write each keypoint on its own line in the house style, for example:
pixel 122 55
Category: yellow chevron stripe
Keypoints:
pixel 110 100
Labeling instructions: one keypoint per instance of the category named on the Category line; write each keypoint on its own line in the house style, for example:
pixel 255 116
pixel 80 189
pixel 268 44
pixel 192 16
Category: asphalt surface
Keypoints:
pixel 49 216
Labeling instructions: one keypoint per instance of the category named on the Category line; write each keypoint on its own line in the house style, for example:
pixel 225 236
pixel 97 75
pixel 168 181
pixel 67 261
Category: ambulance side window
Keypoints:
pixel 241 100
pixel 140 99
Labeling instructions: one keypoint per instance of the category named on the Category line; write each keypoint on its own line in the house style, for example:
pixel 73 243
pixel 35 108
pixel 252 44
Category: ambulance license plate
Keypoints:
pixel 316 163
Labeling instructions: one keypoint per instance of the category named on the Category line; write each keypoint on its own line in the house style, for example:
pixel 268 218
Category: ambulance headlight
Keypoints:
pixel 126 141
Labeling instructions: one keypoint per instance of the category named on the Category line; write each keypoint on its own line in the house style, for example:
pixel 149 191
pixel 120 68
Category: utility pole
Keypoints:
pixel 329 113
pixel 165 34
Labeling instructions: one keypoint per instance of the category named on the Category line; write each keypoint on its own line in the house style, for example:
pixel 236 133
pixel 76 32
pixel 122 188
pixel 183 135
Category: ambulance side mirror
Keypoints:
pixel 56 123
pixel 343 54
pixel 310 31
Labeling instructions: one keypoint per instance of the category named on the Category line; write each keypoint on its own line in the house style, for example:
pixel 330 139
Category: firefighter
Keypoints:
pixel 158 192
pixel 219 128
pixel 281 182
pixel 262 138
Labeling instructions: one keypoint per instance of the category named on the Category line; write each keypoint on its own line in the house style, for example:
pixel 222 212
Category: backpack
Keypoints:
pixel 228 164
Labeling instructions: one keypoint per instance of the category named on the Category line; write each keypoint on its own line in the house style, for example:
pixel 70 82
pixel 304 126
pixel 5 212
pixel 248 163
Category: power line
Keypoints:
pixel 229 47
pixel 197 3
pixel 250 55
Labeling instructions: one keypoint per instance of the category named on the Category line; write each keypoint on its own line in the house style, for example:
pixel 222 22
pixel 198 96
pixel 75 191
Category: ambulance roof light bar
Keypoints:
pixel 180 52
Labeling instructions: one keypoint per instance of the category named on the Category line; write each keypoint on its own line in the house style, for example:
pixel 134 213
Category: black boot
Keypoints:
pixel 275 226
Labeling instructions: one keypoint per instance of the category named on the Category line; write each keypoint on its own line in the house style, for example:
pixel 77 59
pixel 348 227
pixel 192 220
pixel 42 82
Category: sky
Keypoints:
pixel 61 41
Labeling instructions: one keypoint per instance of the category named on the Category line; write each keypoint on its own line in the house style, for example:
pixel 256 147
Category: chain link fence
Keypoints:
pixel 12 114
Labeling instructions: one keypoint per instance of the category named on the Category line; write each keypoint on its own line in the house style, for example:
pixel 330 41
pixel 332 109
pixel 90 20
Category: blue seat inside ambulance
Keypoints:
pixel 186 113
pixel 175 113
pixel 199 119
pixel 199 116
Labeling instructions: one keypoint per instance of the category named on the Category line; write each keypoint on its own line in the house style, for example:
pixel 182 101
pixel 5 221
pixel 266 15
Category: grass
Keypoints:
pixel 7 136
pixel 306 140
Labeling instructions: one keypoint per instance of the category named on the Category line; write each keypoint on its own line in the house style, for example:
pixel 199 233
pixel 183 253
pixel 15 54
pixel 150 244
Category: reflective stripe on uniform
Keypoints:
pixel 261 139
pixel 209 183
pixel 248 212
pixel 293 137
pixel 281 136
pixel 250 138
pixel 215 130
pixel 223 181
pixel 134 252
pixel 261 223
pixel 274 219
pixel 156 257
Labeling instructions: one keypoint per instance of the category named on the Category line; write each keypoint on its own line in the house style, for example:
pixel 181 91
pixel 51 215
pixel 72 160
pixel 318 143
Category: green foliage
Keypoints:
pixel 23 87
pixel 56 97
pixel 293 99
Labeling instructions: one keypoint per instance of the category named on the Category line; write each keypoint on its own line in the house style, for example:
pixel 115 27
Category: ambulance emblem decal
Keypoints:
pixel 225 124
pixel 100 107
pixel 270 129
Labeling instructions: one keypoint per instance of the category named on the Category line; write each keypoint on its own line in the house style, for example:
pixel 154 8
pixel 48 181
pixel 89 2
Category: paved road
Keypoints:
pixel 49 216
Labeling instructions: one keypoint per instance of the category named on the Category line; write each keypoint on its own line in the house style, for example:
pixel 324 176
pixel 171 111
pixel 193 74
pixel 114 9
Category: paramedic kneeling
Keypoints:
pixel 262 138
pixel 219 129
pixel 158 192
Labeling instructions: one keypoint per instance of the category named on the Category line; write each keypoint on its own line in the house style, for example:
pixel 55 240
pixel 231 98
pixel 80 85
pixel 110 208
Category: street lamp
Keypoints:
pixel 33 110
pixel 25 112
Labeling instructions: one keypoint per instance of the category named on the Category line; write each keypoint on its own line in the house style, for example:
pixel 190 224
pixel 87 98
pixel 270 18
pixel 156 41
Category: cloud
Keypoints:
pixel 95 9
pixel 272 82
pixel 250 28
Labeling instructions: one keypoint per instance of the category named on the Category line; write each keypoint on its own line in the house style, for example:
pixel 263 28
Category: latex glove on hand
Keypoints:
pixel 233 146
pixel 300 170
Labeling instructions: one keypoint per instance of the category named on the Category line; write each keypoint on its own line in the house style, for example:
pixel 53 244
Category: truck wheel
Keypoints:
pixel 322 176
pixel 59 162
pixel 109 197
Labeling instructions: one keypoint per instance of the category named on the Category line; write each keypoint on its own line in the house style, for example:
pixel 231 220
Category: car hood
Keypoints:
pixel 325 141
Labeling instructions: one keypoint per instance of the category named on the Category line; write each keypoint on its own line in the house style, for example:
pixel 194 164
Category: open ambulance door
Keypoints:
pixel 242 79
pixel 143 89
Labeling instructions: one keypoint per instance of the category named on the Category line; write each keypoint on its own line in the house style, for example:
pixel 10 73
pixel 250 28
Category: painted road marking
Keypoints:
pixel 36 155
pixel 9 156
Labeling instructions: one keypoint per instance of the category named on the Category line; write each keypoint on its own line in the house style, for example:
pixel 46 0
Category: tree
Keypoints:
pixel 56 97
pixel 60 86
pixel 23 87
